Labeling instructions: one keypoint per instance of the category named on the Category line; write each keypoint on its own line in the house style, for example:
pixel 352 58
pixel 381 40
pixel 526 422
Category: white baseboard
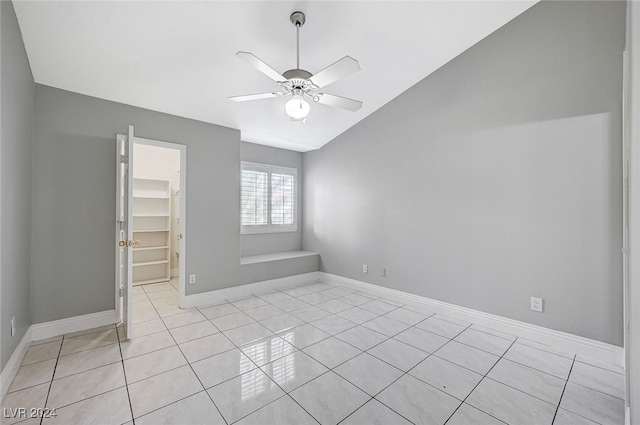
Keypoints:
pixel 47 330
pixel 564 341
pixel 559 340
pixel 218 296
pixel 12 366
pixel 73 324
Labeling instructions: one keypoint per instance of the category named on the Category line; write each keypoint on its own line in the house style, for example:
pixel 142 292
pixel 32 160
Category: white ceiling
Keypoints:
pixel 179 57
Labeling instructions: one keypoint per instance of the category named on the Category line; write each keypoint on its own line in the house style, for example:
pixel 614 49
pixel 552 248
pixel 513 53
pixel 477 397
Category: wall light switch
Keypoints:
pixel 365 269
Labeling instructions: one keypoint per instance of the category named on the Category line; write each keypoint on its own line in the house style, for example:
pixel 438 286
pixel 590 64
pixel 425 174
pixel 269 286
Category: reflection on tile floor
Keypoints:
pixel 311 353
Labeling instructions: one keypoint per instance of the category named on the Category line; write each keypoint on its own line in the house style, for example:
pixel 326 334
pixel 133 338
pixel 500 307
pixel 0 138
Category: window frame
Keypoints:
pixel 251 229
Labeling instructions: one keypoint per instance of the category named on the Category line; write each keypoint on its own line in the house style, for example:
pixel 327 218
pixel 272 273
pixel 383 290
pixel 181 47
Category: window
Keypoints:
pixel 268 198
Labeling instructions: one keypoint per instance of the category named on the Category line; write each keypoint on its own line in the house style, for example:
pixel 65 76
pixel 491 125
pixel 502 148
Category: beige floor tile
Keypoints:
pixel 147 365
pixel 87 341
pixel 41 352
pixel 146 344
pixel 47 340
pixel 160 390
pixel 208 346
pixel 33 374
pixel 195 409
pixel 142 329
pixel 108 408
pixel 183 319
pixel 193 331
pixel 28 398
pixel 87 359
pixel 80 386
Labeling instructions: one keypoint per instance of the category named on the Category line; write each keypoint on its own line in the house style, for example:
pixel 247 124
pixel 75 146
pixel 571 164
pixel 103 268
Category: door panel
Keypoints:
pixel 124 229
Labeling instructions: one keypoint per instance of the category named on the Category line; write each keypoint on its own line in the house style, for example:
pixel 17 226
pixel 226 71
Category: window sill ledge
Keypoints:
pixel 276 256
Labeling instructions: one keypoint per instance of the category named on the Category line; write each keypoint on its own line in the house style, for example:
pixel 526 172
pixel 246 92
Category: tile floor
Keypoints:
pixel 307 354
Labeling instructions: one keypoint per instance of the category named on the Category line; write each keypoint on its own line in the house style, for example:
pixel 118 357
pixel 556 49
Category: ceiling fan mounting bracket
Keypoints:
pixel 297 19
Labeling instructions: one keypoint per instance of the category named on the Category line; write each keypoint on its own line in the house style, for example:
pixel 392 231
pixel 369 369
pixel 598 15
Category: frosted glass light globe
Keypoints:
pixel 297 108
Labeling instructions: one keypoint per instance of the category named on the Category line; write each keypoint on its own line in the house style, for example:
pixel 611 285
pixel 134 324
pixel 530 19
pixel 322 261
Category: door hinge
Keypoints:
pixel 120 292
pixel 124 159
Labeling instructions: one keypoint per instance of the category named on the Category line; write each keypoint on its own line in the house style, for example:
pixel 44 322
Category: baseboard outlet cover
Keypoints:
pixel 563 341
pixel 12 366
pixel 73 324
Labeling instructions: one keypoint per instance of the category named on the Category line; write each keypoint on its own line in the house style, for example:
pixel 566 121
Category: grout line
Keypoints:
pixel 46 400
pixel 286 393
pixel 126 382
pixel 563 390
pixel 524 392
pixel 92 348
pixel 252 370
pixel 596 390
pixel 82 399
pixel 536 369
pixel 198 378
pixel 404 372
pixel 193 371
pixel 295 349
pixel 479 382
pixel 482 329
pixel 598 367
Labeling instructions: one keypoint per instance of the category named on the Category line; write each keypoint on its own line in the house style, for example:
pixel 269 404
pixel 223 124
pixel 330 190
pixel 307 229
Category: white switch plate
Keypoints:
pixel 365 269
pixel 536 304
pixel 192 279
pixel 13 326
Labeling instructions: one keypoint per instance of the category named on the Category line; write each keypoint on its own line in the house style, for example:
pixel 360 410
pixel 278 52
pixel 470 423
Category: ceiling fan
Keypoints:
pixel 300 84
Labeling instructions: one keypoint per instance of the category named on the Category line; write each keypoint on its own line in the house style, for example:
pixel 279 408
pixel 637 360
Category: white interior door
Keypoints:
pixel 124 229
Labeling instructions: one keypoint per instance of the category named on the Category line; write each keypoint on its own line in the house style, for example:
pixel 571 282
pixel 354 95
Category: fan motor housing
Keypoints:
pixel 297 74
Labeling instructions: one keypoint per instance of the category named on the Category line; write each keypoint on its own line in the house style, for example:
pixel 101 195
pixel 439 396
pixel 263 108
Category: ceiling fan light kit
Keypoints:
pixel 297 108
pixel 300 84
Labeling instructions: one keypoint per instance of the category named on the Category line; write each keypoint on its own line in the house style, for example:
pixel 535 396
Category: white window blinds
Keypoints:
pixel 268 198
pixel 255 195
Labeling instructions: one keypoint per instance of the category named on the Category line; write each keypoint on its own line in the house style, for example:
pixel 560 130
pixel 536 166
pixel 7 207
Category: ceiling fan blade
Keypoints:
pixel 345 66
pixel 337 101
pixel 246 97
pixel 261 66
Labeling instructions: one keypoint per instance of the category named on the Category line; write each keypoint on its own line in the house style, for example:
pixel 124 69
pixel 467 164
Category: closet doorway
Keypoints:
pixel 154 285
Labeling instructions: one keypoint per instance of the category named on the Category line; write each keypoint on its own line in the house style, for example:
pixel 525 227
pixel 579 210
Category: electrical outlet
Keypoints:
pixel 536 304
pixel 365 269
pixel 192 279
pixel 383 272
pixel 13 325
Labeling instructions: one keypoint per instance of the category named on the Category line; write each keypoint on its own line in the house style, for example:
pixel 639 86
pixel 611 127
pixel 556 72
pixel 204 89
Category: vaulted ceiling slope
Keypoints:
pixel 178 57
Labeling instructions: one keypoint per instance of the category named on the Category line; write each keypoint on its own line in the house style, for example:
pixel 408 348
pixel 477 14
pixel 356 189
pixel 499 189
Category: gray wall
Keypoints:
pixel 495 179
pixel 267 243
pixel 17 88
pixel 74 203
